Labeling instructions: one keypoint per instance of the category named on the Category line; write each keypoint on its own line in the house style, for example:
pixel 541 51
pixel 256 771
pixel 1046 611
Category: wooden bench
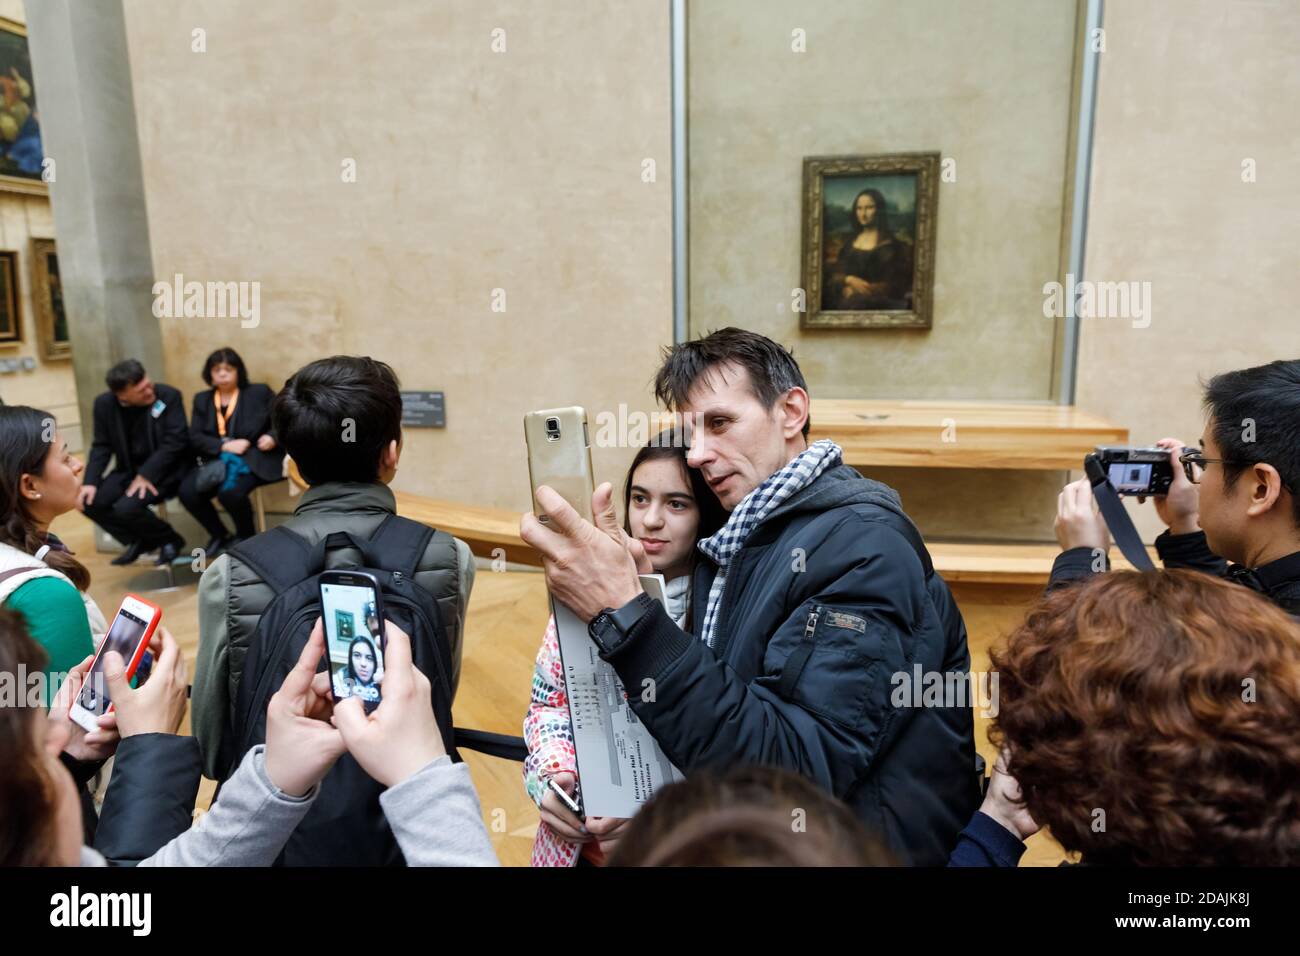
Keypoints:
pixel 494 532
pixel 955 434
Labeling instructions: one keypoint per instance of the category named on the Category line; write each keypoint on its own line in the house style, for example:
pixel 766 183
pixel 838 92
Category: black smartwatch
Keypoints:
pixel 610 629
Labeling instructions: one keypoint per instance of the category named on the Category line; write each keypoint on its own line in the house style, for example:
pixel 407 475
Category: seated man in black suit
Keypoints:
pixel 141 426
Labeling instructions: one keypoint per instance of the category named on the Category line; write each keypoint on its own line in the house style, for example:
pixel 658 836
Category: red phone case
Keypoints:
pixel 134 662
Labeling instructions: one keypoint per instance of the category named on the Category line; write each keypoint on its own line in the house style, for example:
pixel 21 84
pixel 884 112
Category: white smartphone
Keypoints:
pixel 129 635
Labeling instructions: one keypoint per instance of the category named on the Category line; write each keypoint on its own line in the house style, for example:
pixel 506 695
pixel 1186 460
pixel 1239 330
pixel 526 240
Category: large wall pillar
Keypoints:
pixel 83 81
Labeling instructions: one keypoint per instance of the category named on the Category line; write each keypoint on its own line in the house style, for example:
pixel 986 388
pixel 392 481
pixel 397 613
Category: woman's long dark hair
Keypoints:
pixel 670 445
pixel 28 821
pixel 26 441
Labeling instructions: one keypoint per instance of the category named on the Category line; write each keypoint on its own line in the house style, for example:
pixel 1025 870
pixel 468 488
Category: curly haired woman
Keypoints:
pixel 1150 719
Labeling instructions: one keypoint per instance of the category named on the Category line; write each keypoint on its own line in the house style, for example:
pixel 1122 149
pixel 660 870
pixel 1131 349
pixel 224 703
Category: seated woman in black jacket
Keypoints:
pixel 233 419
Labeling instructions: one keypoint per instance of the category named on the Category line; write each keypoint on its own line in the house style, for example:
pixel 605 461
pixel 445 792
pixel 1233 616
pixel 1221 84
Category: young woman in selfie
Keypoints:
pixel 362 672
pixel 668 507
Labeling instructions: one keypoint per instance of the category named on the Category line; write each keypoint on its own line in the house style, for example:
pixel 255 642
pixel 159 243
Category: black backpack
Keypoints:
pixel 345 825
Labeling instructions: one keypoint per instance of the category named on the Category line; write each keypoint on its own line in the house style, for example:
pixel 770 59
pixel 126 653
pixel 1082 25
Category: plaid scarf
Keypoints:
pixel 753 509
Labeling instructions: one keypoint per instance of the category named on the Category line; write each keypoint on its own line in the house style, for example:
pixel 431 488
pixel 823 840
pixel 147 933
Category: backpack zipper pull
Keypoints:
pixel 397 577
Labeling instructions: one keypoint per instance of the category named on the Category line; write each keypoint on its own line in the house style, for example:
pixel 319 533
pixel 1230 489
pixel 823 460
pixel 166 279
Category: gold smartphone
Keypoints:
pixel 559 455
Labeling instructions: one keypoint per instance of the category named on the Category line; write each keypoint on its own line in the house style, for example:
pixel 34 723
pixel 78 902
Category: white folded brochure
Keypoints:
pixel 620 766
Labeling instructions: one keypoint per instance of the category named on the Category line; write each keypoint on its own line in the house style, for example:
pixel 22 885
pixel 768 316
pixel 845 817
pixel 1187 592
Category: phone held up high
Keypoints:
pixel 559 455
pixel 352 612
pixel 129 635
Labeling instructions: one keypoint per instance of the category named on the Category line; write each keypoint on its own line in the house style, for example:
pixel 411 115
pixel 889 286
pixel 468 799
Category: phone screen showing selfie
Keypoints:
pixel 353 642
pixel 124 637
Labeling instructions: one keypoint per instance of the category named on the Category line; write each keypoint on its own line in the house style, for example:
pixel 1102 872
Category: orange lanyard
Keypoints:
pixel 230 410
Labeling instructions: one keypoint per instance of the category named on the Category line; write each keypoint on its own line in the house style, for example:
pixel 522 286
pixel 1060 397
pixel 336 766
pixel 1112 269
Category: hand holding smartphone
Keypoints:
pixel 351 612
pixel 129 635
pixel 559 456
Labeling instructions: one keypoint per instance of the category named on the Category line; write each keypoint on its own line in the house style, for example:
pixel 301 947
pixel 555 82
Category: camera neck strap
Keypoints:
pixel 1117 519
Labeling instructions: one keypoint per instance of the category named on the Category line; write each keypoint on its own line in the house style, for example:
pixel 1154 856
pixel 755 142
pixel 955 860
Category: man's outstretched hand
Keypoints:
pixel 588 566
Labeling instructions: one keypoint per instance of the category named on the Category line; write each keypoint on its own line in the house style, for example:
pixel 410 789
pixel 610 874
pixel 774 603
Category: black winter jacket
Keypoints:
pixel 168 437
pixel 1279 580
pixel 150 797
pixel 252 420
pixel 827 610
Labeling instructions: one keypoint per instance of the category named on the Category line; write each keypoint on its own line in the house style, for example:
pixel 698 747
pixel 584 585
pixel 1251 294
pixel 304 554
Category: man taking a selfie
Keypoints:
pixel 813 598
pixel 1234 499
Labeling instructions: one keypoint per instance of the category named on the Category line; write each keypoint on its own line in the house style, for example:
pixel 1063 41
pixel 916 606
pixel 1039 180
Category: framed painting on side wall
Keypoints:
pixel 47 302
pixel 11 323
pixel 868 240
pixel 22 159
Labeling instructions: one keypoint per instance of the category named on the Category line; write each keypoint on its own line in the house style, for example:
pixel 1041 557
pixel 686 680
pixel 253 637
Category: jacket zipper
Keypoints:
pixel 811 626
pixel 724 607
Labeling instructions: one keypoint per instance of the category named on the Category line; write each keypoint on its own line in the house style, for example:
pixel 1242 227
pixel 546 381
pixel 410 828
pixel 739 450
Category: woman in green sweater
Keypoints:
pixel 39 577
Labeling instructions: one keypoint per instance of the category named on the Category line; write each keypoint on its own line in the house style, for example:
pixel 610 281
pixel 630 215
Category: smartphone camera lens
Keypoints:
pixel 552 429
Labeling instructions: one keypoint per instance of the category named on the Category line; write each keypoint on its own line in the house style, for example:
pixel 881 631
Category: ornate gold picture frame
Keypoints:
pixel 868 241
pixel 22 158
pixel 47 302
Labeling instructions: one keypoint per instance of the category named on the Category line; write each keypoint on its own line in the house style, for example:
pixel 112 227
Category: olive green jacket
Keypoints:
pixel 232 598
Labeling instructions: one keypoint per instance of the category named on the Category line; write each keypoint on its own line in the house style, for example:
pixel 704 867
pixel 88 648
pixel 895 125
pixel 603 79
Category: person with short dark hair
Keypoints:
pixel 230 424
pixel 747 816
pixel 340 420
pixel 1236 499
pixel 140 426
pixel 816 590
pixel 1148 719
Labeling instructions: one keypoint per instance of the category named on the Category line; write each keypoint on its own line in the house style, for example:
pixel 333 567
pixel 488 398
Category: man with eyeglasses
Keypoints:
pixel 1232 500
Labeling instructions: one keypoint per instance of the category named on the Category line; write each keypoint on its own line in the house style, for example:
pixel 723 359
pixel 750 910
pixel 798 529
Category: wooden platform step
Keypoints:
pixel 494 533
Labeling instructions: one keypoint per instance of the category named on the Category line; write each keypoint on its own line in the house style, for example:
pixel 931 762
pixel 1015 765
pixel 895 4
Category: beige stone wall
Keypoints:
pixel 49 386
pixel 475 171
pixel 522 171
pixel 987 84
pixel 1187 92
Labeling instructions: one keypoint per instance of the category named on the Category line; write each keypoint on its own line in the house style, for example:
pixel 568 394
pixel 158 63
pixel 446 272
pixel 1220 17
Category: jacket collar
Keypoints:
pixel 1267 577
pixel 839 486
pixel 351 497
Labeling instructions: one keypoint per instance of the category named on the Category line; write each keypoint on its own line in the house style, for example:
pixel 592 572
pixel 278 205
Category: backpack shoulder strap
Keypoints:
pixel 14 572
pixel 399 543
pixel 280 557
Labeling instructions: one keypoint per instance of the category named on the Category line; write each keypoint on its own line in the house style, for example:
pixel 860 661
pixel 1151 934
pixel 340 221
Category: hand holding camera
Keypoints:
pixel 1179 507
pixel 1078 522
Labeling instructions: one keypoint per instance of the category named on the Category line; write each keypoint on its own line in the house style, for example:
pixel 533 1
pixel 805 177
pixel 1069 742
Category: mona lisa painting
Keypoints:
pixel 868 240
